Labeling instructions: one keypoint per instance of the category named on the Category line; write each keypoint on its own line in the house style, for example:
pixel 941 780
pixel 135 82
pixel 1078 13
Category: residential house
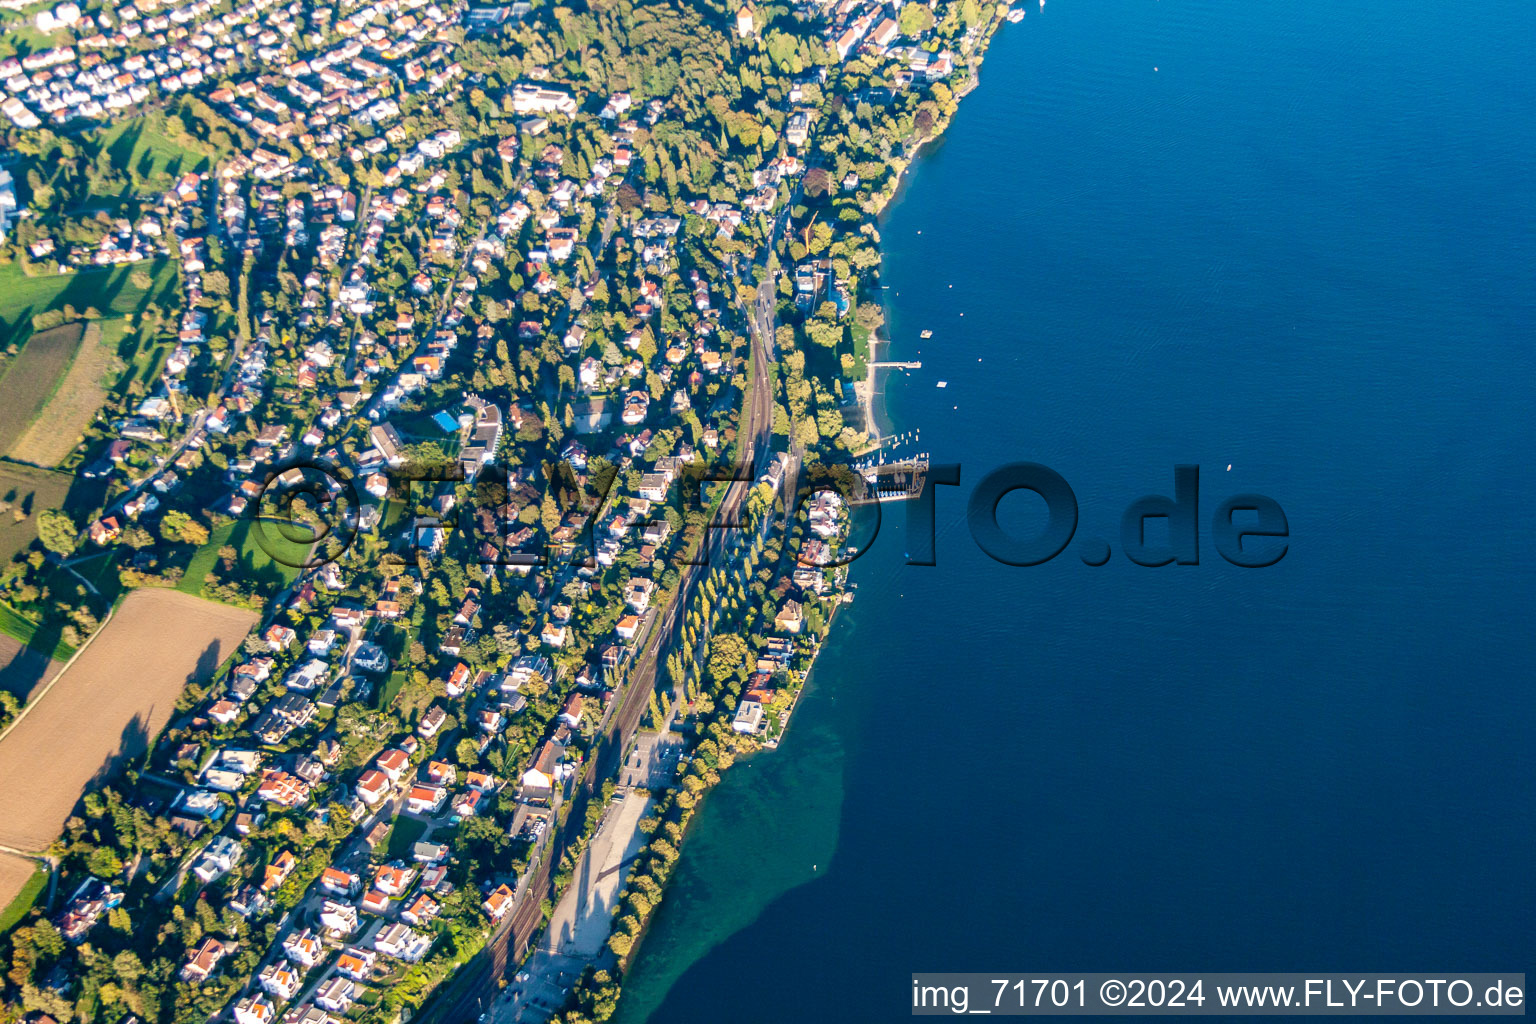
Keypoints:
pixel 303 948
pixel 374 902
pixel 372 786
pixel 749 717
pixel 338 918
pixel 421 910
pixel 432 721
pixel 218 857
pixel 280 980
pixel 570 714
pixel 336 995
pixel 790 617
pixel 498 902
pixel 277 871
pixel 402 943
pixel 393 879
pixel 537 784
pixel 468 803
pixel 205 959
pixel 307 1013
pixel 255 1009
pixel 393 763
pixel 355 963
pixel 285 790
pixel 339 883
pixel 637 594
pixel 425 799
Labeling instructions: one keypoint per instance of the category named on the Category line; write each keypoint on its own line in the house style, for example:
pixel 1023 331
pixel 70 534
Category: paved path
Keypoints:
pixel 582 919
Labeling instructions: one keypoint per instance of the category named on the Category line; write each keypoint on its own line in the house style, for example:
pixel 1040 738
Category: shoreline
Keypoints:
pixel 877 425
pixel 877 420
pixel 605 987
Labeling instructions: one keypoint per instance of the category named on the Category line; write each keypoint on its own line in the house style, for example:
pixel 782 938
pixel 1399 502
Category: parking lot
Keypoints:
pixel 653 762
pixel 580 924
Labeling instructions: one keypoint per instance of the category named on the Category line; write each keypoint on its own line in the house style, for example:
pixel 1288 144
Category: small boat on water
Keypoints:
pixel 1016 15
pixel 942 384
pixel 926 335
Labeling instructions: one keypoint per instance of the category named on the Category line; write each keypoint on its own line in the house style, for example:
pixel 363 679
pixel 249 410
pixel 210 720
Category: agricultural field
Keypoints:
pixel 108 705
pixel 29 379
pixel 29 490
pixel 23 669
pixel 109 291
pixel 21 883
pixel 56 430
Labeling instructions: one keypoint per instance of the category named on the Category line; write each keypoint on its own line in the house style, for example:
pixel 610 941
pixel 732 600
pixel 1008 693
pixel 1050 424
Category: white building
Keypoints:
pixel 257 1009
pixel 338 918
pixel 749 717
pixel 7 203
pixel 219 856
pixel 402 943
pixel 528 98
pixel 336 994
pixel 62 16
pixel 280 979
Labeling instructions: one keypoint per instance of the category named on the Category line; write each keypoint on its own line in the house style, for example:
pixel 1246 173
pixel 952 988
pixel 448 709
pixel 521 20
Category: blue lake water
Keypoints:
pixel 1297 239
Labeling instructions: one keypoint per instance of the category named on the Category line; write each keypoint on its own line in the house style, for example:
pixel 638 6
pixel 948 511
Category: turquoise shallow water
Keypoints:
pixel 1304 246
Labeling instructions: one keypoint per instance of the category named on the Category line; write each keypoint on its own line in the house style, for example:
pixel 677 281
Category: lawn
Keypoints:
pixel 99 569
pixel 204 559
pixel 391 689
pixel 108 290
pixel 31 889
pixel 146 151
pixel 393 640
pixel 29 381
pixel 15 624
pixel 19 36
pixel 256 564
pixel 403 835
pixel 862 337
